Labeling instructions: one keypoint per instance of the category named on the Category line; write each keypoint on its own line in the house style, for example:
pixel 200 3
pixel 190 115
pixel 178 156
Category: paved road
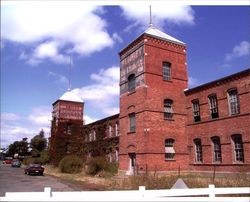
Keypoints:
pixel 14 180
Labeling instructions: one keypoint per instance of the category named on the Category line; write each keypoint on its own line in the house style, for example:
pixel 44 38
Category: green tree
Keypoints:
pixel 18 147
pixel 38 143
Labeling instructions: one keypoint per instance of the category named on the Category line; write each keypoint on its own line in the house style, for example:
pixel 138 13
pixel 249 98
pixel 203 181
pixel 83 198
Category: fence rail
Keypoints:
pixel 198 194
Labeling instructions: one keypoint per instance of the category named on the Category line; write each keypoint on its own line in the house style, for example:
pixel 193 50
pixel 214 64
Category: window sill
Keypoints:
pixel 170 160
pixel 131 92
pixel 170 81
pixel 238 162
pixel 168 119
pixel 131 132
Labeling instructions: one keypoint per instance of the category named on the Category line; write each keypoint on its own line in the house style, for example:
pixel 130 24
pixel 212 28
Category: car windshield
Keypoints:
pixel 35 165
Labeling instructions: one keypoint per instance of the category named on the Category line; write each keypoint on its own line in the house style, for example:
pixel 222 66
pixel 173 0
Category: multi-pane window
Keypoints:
pixel 234 106
pixel 198 150
pixel 132 122
pixel 213 106
pixel 216 149
pixel 169 149
pixel 131 83
pixel 110 131
pixel 166 71
pixel 116 129
pixel 168 109
pixel 196 110
pixel 238 148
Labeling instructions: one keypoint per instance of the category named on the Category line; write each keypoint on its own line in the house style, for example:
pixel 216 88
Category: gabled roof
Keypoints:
pixel 70 96
pixel 156 33
pixel 159 34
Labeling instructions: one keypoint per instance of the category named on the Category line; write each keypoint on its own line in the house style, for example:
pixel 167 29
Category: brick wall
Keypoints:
pixel 148 142
pixel 223 127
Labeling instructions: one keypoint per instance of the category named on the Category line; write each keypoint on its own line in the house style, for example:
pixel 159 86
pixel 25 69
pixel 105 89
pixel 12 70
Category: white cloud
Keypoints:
pixel 14 127
pixel 240 50
pixel 9 117
pixel 40 116
pixel 44 27
pixel 103 95
pixel 88 119
pixel 174 13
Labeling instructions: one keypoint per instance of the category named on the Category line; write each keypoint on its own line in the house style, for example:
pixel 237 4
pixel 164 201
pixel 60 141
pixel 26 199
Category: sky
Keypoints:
pixel 37 40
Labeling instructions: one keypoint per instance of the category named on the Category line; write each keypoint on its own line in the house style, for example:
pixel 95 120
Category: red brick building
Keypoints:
pixel 162 125
pixel 218 126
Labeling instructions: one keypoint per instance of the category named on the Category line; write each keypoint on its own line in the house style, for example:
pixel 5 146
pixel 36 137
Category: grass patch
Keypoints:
pixel 87 182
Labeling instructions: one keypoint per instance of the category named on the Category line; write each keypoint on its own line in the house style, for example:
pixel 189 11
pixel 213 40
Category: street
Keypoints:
pixel 14 180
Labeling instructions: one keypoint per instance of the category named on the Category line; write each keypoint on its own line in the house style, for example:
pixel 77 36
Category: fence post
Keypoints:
pixel 47 191
pixel 142 191
pixel 211 188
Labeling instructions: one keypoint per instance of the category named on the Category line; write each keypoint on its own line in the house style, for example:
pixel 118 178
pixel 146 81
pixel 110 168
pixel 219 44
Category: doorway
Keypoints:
pixel 132 163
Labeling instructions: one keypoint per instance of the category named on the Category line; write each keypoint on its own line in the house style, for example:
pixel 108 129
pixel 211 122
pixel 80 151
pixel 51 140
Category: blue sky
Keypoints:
pixel 36 42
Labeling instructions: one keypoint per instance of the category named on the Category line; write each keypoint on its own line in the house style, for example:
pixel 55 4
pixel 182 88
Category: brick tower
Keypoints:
pixel 66 127
pixel 152 104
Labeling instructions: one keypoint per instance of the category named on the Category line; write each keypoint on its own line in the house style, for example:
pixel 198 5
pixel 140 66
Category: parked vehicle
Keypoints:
pixel 8 160
pixel 16 163
pixel 35 169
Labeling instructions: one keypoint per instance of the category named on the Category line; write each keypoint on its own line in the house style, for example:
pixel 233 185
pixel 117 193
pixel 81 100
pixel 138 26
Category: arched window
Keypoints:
pixel 166 71
pixel 131 82
pixel 233 101
pixel 198 150
pixel 238 148
pixel 169 149
pixel 216 149
pixel 132 122
pixel 213 106
pixel 168 109
pixel 196 110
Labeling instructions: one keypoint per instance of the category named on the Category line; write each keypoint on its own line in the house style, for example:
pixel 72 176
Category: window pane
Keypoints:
pixel 198 150
pixel 166 71
pixel 131 82
pixel 132 123
pixel 238 148
pixel 217 149
pixel 169 149
pixel 196 111
pixel 168 109
pixel 213 106
pixel 234 102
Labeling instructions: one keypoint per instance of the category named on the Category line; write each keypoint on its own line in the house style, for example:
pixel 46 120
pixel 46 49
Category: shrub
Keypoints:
pixel 44 157
pixel 71 164
pixel 100 164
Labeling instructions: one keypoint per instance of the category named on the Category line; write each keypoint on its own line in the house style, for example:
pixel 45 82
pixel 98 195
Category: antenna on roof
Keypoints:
pixel 150 17
pixel 70 66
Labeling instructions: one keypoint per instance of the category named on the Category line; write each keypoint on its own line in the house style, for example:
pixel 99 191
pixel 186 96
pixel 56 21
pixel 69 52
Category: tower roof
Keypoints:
pixel 159 34
pixel 70 96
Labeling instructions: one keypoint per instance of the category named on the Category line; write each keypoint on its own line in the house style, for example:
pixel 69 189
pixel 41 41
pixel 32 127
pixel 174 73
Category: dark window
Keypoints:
pixel 131 83
pixel 166 71
pixel 216 149
pixel 213 106
pixel 169 149
pixel 196 110
pixel 132 122
pixel 198 150
pixel 238 148
pixel 233 100
pixel 168 109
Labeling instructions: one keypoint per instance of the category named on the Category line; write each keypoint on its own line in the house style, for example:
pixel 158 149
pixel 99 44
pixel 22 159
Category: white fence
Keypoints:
pixel 201 194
